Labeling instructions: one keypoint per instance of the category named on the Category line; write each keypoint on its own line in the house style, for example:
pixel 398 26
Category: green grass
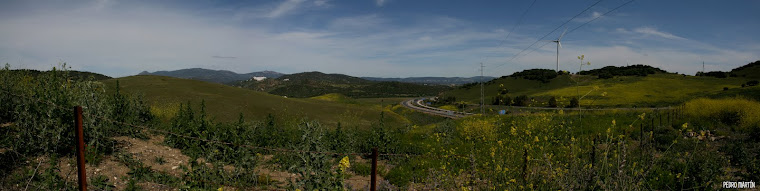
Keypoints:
pixel 653 90
pixel 516 86
pixel 382 101
pixel 750 71
pixel 335 97
pixel 622 91
pixel 225 103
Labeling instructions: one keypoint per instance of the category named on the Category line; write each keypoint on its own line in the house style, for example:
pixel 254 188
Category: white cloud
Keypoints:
pixel 362 22
pixel 590 17
pixel 380 3
pixel 654 32
pixel 121 42
pixel 284 8
pixel 320 3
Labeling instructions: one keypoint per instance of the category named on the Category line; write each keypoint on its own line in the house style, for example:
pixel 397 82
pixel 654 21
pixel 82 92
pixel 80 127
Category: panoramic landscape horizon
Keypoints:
pixel 379 95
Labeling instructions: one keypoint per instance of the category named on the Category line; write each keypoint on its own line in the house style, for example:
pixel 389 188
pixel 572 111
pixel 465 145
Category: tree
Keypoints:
pixel 752 83
pixel 573 103
pixel 553 102
pixel 522 100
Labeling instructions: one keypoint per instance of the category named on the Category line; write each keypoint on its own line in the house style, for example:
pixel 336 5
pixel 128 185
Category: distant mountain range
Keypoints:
pixel 229 77
pixel 434 80
pixel 310 84
pixel 216 76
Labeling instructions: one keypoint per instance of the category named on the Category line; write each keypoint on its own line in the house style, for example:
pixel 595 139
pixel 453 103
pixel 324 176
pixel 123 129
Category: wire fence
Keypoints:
pixel 270 178
pixel 281 179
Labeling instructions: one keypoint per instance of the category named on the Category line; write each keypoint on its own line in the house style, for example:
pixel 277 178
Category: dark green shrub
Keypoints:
pixel 552 101
pixel 605 75
pixel 573 103
pixel 752 83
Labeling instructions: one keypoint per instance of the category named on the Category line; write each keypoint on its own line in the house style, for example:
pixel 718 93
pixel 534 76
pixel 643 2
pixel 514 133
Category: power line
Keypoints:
pixel 514 27
pixel 600 16
pixel 579 26
pixel 547 34
pixel 519 21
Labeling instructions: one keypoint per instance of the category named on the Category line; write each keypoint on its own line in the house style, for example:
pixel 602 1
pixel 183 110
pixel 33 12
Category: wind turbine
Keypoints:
pixel 559 45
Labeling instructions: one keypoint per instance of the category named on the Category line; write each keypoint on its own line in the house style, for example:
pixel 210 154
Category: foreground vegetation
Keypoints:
pixel 697 145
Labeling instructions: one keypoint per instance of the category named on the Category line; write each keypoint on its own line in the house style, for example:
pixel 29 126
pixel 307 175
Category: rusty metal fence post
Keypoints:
pixel 80 148
pixel 373 178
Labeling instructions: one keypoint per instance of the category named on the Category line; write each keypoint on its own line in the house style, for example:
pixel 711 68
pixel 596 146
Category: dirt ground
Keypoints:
pixel 115 171
pixel 154 154
pixel 150 152
pixel 162 158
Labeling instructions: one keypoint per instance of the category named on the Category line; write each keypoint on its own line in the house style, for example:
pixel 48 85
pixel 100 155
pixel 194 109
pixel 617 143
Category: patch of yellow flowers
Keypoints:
pixel 344 164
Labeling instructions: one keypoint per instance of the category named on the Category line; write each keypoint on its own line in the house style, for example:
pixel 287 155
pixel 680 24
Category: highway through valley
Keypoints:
pixel 418 105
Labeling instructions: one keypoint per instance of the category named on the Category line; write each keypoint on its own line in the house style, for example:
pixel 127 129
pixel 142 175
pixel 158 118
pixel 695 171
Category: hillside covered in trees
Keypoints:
pixel 632 70
pixel 310 84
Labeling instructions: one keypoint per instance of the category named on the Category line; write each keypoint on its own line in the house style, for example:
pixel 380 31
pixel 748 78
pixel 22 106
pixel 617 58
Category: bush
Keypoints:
pixel 752 83
pixel 605 75
pixel 40 107
pixel 522 100
pixel 543 75
pixel 553 102
pixel 573 103
pixel 633 70
pixel 716 74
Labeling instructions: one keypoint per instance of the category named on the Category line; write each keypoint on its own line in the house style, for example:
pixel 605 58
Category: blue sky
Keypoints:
pixel 381 38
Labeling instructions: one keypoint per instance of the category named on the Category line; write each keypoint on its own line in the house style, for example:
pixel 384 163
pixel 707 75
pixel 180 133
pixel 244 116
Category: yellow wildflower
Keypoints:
pixel 613 123
pixel 344 164
pixel 642 116
pixel 685 125
pixel 535 139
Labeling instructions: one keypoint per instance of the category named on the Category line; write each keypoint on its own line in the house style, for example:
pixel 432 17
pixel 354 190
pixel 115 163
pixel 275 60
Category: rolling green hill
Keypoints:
pixel 310 84
pixel 225 103
pixel 216 76
pixel 72 74
pixel 621 91
pixel 751 70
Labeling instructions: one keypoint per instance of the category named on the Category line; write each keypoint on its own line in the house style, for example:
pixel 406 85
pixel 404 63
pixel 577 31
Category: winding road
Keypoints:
pixel 417 105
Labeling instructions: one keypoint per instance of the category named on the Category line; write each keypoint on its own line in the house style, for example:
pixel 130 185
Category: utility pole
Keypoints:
pixel 703 67
pixel 482 100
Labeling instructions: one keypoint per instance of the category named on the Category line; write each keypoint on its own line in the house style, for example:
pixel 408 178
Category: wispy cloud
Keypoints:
pixel 321 3
pixel 362 22
pixel 591 16
pixel 119 42
pixel 380 3
pixel 284 8
pixel 649 31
